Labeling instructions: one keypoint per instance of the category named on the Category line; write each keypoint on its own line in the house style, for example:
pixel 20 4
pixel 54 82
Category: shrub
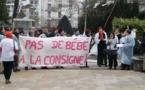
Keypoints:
pixel 135 22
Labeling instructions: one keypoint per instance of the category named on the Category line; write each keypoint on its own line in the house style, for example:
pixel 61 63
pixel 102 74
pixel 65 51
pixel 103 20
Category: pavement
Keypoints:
pixel 75 78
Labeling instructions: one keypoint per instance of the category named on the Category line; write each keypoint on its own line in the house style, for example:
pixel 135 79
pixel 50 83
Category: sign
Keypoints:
pixel 57 51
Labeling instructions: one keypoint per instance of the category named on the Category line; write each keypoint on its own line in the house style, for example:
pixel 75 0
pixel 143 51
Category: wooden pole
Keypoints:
pixel 110 14
pixel 15 14
pixel 85 23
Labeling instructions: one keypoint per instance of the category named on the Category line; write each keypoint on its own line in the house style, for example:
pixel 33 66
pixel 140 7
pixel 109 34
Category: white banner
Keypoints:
pixel 57 51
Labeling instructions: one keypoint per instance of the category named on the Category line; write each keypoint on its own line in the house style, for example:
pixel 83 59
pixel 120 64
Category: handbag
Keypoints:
pixel 15 56
pixel 114 52
pixel 108 51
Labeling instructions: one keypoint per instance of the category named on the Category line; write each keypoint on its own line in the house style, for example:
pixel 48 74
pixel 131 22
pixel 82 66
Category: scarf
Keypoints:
pixel 101 35
pixel 77 34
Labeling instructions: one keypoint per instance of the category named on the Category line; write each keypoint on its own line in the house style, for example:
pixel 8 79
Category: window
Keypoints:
pixel 70 5
pixel 70 1
pixel 36 2
pixel 10 1
pixel 31 2
pixel 24 10
pixel 36 13
pixel 59 1
pixel 49 6
pixel 49 0
pixel 31 13
pixel 49 14
pixel 59 14
pixel 59 6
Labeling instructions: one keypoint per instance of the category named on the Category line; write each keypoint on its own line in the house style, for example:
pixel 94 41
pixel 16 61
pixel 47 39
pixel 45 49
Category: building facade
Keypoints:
pixel 49 12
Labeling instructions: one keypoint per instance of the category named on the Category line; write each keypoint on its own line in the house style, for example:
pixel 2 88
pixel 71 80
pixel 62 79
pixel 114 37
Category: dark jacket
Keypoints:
pixel 143 43
pixel 16 34
pixel 53 35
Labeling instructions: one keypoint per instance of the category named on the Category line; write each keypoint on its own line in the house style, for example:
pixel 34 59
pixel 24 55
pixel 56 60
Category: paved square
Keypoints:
pixel 74 78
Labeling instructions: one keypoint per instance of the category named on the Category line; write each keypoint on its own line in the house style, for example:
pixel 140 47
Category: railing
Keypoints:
pixel 33 17
pixel 10 1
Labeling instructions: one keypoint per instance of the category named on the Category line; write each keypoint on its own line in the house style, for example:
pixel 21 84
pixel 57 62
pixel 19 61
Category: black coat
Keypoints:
pixel 143 43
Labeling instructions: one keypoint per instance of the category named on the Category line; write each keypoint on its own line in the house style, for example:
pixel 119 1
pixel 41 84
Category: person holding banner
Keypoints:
pixel 77 33
pixel 39 32
pixel 44 35
pixel 55 33
pixel 8 47
pixel 2 36
pixel 16 58
pixel 88 34
pixel 61 33
pixel 30 34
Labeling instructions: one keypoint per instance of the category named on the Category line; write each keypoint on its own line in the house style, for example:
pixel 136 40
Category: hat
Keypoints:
pixel 8 34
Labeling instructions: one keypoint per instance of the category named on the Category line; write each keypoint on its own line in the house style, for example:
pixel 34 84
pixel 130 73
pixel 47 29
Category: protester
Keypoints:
pixel 112 56
pixel 142 43
pixel 101 40
pixel 15 36
pixel 77 33
pixel 61 33
pixel 94 50
pixel 117 33
pixel 2 36
pixel 133 32
pixel 104 62
pixel 8 46
pixel 33 29
pixel 21 33
pixel 16 32
pixel 30 34
pixel 127 51
pixel 39 32
pixel 44 35
pixel 54 33
pixel 88 34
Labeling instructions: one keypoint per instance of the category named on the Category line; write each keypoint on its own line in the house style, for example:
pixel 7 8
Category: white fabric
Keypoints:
pixel 77 36
pixel 61 36
pixel 94 50
pixel 120 48
pixel 56 51
pixel 112 45
pixel 133 34
pixel 7 46
pixel 97 40
pixel 126 52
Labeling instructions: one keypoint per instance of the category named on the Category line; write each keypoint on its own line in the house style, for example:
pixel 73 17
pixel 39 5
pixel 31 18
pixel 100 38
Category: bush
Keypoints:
pixel 135 22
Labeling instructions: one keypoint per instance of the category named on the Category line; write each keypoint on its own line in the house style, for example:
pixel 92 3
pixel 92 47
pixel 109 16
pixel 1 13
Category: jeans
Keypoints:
pixel 8 65
pixel 101 58
pixel 15 65
pixel 112 60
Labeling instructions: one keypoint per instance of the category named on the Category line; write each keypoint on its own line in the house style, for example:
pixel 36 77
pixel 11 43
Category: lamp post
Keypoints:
pixel 85 22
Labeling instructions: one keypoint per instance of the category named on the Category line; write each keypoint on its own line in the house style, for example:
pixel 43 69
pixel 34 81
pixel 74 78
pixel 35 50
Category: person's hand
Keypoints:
pixel 110 40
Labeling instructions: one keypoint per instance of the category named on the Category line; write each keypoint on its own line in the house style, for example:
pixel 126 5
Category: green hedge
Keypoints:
pixel 135 22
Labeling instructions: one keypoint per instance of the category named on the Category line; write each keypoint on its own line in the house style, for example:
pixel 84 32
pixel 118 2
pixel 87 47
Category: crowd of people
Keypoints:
pixel 106 47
